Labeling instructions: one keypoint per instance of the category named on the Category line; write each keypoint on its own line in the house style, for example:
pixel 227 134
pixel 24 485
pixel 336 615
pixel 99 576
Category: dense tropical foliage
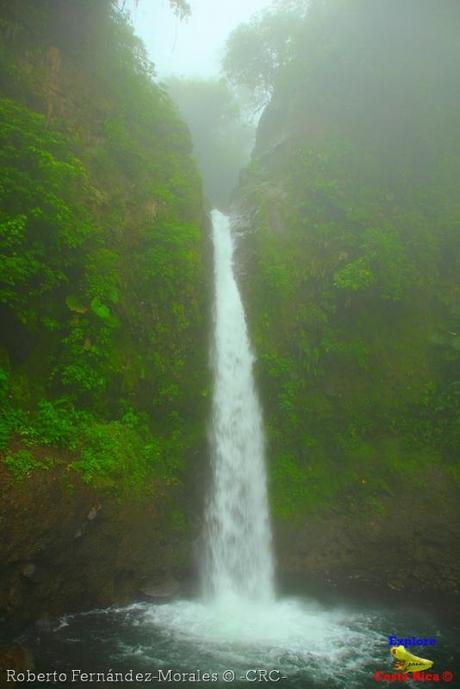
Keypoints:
pixel 349 266
pixel 102 270
pixel 351 261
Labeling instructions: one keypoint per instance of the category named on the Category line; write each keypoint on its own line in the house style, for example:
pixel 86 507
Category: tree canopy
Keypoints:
pixel 258 49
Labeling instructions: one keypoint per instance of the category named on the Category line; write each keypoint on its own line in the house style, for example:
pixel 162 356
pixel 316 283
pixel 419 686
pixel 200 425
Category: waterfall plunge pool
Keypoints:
pixel 305 643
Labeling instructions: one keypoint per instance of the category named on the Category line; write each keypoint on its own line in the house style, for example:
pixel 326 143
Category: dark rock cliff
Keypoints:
pixel 66 548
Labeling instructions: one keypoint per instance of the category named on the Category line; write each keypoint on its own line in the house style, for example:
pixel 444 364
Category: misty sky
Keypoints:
pixel 193 46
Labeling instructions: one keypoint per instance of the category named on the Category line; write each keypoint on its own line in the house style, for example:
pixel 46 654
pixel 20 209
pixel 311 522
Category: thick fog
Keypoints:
pixel 191 47
pixel 187 55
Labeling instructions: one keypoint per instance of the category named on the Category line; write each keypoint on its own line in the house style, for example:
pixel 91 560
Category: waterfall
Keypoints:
pixel 239 559
pixel 239 623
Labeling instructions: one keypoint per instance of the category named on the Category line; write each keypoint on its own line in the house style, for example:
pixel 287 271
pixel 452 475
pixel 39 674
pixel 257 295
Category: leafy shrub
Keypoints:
pixel 22 462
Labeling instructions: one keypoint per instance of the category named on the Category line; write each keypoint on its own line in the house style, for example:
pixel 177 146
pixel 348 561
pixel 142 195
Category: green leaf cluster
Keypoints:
pixel 103 304
pixel 353 200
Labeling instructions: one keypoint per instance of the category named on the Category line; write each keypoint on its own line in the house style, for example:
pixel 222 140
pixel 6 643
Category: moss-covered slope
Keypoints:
pixel 350 262
pixel 103 280
pixel 103 300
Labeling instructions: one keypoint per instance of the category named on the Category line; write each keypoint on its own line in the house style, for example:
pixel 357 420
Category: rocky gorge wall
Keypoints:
pixel 104 308
pixel 347 220
pixel 70 548
pixel 348 258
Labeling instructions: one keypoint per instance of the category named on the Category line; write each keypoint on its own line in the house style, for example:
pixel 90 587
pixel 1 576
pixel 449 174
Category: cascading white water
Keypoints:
pixel 239 623
pixel 239 561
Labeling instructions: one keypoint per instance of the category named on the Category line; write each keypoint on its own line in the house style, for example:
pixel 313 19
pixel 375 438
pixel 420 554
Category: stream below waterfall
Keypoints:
pixel 239 632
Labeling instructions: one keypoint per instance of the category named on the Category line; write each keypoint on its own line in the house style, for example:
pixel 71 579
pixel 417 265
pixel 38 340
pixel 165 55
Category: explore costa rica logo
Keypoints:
pixel 384 676
pixel 411 667
pixel 408 662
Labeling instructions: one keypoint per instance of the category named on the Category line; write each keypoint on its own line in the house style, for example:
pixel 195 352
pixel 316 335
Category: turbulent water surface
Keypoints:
pixel 307 644
pixel 239 633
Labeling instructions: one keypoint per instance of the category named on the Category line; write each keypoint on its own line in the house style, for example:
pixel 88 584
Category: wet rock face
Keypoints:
pixel 161 592
pixel 29 570
pixel 411 545
pixel 65 549
pixel 15 657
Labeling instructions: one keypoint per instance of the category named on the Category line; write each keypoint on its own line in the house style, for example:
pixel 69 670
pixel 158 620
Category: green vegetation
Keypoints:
pixel 22 463
pixel 103 282
pixel 353 250
pixel 352 253
pixel 257 50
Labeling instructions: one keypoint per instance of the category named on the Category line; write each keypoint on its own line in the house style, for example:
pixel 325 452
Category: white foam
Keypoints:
pixel 239 559
pixel 291 634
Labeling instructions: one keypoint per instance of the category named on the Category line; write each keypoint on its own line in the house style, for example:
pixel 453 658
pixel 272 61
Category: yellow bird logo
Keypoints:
pixel 407 662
